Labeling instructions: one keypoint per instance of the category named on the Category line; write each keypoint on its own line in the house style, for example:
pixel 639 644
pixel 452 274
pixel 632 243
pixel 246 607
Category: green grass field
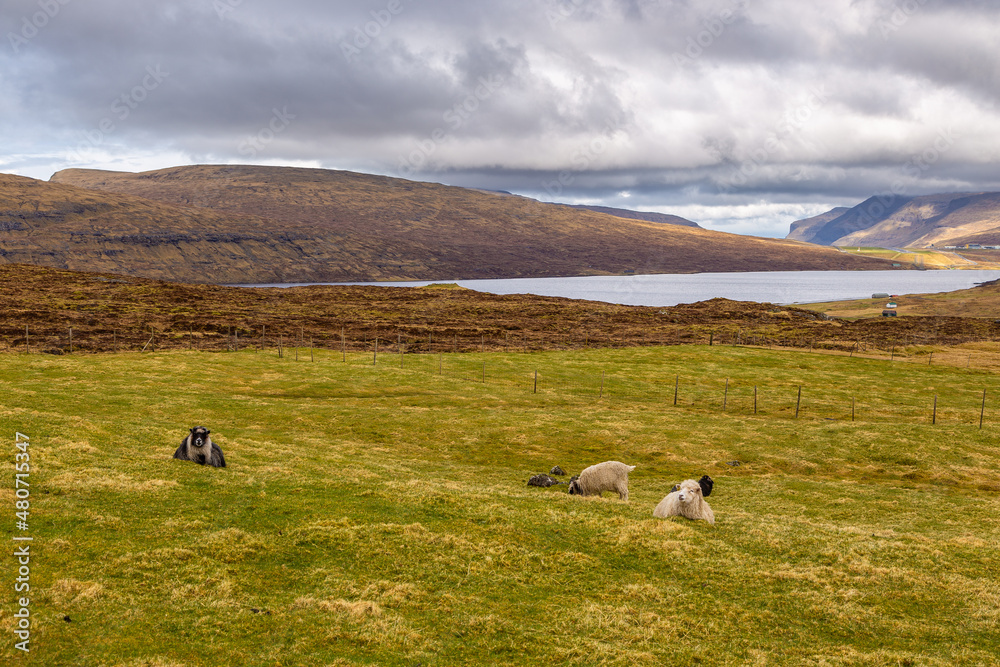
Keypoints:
pixel 379 514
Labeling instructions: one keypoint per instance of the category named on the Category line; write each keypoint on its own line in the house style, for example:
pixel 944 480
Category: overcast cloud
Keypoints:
pixel 743 115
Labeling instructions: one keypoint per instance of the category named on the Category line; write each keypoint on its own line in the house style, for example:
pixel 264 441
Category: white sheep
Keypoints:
pixel 601 477
pixel 686 501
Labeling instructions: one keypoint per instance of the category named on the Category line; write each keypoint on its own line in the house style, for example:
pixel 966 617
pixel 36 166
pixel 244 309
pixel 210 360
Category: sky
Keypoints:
pixel 742 115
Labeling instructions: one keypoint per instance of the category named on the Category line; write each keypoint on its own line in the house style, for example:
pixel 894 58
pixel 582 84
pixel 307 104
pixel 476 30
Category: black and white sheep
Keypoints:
pixel 198 447
pixel 601 477
pixel 687 501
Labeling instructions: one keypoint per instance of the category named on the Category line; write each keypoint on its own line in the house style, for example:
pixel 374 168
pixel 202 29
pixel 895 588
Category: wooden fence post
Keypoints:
pixel 755 399
pixel 536 383
pixel 797 402
pixel 982 410
pixel 725 397
pixel 934 414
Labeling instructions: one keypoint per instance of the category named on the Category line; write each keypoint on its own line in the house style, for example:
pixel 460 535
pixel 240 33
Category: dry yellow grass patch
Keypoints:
pixel 70 591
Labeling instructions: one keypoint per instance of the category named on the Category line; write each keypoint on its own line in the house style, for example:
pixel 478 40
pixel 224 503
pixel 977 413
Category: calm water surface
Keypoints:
pixel 780 287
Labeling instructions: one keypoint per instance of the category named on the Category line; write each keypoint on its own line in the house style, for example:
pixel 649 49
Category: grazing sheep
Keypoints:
pixel 198 447
pixel 601 477
pixel 688 501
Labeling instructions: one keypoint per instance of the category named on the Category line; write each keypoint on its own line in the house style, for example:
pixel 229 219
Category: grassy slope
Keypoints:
pixel 376 515
pixel 381 228
pixel 982 301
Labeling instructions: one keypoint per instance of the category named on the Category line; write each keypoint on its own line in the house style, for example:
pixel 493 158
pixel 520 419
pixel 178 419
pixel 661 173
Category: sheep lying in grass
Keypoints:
pixel 601 477
pixel 705 483
pixel 687 501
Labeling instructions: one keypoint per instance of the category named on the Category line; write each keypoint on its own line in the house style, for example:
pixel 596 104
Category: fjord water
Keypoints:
pixel 779 287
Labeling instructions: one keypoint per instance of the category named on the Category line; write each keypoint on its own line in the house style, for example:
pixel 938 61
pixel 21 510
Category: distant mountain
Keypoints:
pixel 805 230
pixel 902 221
pixel 649 216
pixel 248 224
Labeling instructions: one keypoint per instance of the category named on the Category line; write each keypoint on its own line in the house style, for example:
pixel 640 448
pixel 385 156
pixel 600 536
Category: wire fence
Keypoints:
pixel 419 339
pixel 503 360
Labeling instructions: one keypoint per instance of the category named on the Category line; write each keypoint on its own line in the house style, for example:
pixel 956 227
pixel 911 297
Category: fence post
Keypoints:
pixel 797 402
pixel 725 397
pixel 982 410
pixel 934 414
pixel 755 399
pixel 375 356
pixel 852 408
pixel 536 383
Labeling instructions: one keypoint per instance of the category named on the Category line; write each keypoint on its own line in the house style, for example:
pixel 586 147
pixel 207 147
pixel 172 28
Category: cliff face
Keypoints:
pixel 236 224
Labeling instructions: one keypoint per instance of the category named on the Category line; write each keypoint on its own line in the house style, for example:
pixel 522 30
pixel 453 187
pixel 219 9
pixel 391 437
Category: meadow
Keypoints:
pixel 378 513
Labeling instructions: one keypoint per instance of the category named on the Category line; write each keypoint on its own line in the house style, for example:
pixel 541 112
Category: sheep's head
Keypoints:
pixel 689 491
pixel 574 487
pixel 199 436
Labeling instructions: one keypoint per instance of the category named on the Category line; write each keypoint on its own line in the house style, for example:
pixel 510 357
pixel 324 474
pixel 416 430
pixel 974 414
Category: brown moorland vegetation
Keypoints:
pixel 109 312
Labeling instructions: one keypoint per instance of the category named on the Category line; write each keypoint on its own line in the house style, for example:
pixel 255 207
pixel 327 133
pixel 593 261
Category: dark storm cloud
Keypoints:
pixel 739 105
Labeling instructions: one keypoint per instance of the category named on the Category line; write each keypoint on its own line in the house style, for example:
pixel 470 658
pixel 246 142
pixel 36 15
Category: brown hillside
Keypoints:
pixel 379 228
pixel 63 226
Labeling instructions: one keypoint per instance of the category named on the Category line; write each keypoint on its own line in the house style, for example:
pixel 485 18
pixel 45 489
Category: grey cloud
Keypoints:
pixel 613 100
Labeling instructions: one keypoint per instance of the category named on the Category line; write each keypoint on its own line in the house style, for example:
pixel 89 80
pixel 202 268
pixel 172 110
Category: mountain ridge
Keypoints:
pixel 901 221
pixel 252 224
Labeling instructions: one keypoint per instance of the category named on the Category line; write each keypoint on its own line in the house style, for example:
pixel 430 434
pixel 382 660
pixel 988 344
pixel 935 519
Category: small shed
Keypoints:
pixel 888 313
